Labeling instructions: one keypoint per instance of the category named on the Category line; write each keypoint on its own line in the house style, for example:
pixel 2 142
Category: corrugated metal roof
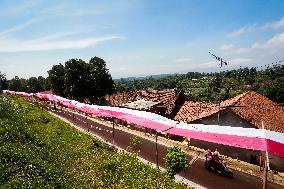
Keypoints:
pixel 140 104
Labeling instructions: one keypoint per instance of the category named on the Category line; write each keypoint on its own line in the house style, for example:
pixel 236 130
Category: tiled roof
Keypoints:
pixel 192 111
pixel 166 97
pixel 251 106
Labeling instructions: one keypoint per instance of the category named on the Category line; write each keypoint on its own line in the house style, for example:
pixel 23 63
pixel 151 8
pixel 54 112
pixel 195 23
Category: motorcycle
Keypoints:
pixel 219 167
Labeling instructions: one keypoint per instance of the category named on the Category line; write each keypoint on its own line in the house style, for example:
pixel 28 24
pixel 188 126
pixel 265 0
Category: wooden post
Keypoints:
pixel 87 123
pixel 113 131
pixel 264 186
pixel 266 162
pixel 157 157
pixel 260 161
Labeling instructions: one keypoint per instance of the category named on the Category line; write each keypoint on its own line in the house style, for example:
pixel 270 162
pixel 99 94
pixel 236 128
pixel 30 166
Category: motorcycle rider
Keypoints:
pixel 216 156
pixel 217 160
pixel 209 155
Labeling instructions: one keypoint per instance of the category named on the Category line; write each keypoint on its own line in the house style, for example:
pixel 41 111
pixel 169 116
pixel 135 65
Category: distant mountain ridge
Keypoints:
pixel 158 76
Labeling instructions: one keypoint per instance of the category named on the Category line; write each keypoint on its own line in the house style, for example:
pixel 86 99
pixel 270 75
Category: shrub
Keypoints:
pixel 176 161
pixel 134 145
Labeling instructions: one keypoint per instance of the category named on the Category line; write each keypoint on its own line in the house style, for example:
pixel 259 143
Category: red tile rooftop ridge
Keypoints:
pixel 250 106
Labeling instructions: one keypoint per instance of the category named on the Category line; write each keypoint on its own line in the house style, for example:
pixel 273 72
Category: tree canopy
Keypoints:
pixel 80 80
pixel 3 81
pixel 56 78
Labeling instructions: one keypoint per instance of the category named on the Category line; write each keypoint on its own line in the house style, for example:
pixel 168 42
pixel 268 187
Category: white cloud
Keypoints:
pixel 271 44
pixel 227 47
pixel 233 49
pixel 275 41
pixel 17 28
pixel 182 60
pixel 240 62
pixel 243 30
pixel 17 8
pixel 41 44
pixel 272 25
pixel 68 10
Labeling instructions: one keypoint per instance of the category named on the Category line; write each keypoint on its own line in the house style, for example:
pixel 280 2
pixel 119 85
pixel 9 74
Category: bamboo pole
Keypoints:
pixel 157 157
pixel 113 131
pixel 266 165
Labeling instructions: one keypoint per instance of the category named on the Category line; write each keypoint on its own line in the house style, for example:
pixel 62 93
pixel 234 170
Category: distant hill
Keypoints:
pixel 158 76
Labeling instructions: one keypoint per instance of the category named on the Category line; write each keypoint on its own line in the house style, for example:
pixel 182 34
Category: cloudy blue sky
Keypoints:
pixel 139 37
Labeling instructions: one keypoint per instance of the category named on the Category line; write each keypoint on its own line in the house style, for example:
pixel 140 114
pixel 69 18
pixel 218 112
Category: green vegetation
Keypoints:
pixel 91 81
pixel 38 150
pixel 134 145
pixel 80 80
pixel 176 161
pixel 3 81
pixel 76 79
pixel 212 87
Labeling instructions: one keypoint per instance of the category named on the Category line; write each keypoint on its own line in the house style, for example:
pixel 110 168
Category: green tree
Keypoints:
pixel 56 79
pixel 17 84
pixel 3 82
pixel 76 79
pixel 34 85
pixel 176 161
pixel 42 83
pixel 100 81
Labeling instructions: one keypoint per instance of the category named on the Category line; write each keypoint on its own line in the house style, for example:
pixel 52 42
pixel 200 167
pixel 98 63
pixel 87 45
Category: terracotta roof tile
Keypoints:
pixel 251 106
pixel 167 97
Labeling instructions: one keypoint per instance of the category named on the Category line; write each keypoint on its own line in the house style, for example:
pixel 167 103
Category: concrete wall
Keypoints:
pixel 226 118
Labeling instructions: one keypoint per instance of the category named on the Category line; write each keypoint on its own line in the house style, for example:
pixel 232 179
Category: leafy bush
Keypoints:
pixel 176 161
pixel 134 145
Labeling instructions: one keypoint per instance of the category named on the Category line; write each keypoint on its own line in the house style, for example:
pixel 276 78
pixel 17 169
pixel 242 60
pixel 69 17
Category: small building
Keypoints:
pixel 168 101
pixel 248 110
pixel 145 105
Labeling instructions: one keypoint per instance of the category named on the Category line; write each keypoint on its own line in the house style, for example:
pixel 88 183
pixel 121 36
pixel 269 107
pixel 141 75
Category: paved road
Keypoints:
pixel 196 173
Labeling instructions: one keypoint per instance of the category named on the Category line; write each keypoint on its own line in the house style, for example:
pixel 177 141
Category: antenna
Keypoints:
pixel 222 61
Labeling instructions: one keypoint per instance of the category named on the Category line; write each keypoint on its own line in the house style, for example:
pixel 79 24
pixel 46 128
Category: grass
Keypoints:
pixel 38 150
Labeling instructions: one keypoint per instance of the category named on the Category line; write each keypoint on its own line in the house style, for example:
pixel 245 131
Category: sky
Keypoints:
pixel 139 37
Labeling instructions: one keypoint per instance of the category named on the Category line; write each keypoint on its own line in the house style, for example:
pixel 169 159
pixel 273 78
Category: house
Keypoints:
pixel 166 102
pixel 249 110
